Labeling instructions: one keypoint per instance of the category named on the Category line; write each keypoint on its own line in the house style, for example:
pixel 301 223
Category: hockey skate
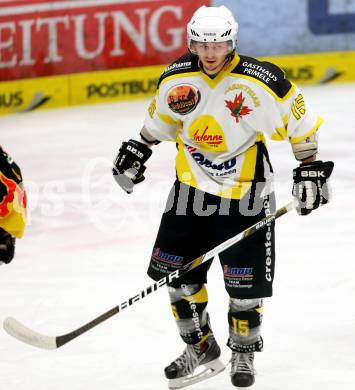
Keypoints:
pixel 197 363
pixel 242 371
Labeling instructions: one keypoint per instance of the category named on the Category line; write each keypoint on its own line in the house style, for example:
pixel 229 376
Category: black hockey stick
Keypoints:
pixel 29 336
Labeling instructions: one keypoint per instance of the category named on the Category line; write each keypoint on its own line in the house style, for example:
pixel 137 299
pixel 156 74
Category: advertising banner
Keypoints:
pixel 115 85
pixel 41 38
pixel 80 88
pixel 62 52
pixel 31 94
pixel 274 27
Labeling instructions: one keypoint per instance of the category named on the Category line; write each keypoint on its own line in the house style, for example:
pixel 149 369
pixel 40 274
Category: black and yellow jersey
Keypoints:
pixel 219 123
pixel 12 197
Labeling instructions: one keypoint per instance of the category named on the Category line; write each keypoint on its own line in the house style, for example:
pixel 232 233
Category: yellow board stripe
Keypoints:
pixel 132 83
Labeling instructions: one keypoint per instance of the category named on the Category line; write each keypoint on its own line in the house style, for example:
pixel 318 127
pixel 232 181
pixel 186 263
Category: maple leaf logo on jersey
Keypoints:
pixel 237 108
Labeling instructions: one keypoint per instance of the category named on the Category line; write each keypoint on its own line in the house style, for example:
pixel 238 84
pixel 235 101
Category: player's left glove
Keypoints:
pixel 129 165
pixel 311 187
pixel 7 247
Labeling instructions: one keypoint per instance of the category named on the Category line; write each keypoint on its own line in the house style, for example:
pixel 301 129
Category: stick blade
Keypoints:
pixel 22 333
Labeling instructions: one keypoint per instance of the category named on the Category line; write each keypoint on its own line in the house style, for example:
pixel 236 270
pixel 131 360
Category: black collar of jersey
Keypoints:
pixel 189 63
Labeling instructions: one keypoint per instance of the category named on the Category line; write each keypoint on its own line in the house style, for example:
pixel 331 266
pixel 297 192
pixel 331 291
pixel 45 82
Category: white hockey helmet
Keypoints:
pixel 212 24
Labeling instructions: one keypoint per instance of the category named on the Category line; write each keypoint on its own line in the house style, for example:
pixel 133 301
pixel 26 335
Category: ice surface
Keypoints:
pixel 87 247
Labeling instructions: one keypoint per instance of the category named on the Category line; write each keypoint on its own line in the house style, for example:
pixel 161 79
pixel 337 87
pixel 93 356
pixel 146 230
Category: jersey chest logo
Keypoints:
pixel 237 107
pixel 183 99
pixel 207 134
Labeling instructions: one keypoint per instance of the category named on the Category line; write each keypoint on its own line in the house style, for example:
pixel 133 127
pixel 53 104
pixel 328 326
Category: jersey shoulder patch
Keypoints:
pixel 185 64
pixel 264 72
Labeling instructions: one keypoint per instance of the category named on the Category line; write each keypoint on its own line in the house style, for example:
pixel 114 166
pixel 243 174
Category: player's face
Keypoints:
pixel 212 55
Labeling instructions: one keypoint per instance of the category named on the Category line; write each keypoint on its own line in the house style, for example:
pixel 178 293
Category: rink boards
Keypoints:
pixel 137 82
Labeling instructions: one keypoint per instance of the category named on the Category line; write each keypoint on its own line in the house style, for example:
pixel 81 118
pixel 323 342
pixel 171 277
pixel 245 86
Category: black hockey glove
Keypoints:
pixel 7 247
pixel 310 185
pixel 129 165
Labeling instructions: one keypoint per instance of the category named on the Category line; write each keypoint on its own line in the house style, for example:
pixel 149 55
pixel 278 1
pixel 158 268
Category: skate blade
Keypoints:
pixel 212 368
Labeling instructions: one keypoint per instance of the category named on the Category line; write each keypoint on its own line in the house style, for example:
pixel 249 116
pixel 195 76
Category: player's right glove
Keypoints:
pixel 311 186
pixel 7 246
pixel 129 165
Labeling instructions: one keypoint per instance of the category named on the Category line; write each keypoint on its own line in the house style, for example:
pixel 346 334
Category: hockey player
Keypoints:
pixel 217 105
pixel 12 207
